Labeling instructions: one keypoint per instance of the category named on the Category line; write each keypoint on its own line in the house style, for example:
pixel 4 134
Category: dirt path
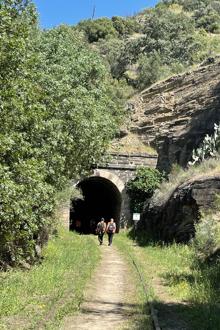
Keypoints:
pixel 104 306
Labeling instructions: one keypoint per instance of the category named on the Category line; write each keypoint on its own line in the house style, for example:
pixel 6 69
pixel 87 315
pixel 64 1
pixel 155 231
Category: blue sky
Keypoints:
pixel 55 12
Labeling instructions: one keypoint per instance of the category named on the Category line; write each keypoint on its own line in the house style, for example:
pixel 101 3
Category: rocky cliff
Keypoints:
pixel 174 115
pixel 175 217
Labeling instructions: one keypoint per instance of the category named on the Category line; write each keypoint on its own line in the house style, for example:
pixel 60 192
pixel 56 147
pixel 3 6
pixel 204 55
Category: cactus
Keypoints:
pixel 209 148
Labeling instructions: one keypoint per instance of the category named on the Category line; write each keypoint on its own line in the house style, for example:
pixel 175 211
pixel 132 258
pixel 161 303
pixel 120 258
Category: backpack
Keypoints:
pixel 111 228
pixel 100 228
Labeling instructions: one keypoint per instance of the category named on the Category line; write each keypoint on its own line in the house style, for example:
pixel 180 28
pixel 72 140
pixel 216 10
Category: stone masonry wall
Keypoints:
pixel 122 166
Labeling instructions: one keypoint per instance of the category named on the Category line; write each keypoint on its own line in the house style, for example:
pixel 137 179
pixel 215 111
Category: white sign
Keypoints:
pixel 136 216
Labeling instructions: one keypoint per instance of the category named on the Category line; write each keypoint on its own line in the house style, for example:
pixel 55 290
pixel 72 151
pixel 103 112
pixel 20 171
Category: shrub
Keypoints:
pixel 125 26
pixel 101 28
pixel 172 35
pixel 207 239
pixel 208 19
pixel 149 70
pixel 142 187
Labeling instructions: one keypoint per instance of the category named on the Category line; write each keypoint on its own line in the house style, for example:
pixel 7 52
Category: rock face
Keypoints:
pixel 174 115
pixel 174 218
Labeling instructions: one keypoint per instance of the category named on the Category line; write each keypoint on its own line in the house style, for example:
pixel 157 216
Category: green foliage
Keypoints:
pixel 172 35
pixel 59 110
pixel 169 44
pixel 158 42
pixel 84 105
pixel 105 28
pixel 207 237
pixel 51 290
pixel 143 186
pixel 101 28
pixel 205 12
pixel 149 69
pixel 111 50
pixel 208 18
pixel 125 26
pixel 25 197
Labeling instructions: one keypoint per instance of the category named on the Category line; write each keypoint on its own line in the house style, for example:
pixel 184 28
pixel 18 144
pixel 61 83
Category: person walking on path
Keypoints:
pixel 111 229
pixel 100 230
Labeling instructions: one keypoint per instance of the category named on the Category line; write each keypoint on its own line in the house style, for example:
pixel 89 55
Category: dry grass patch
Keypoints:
pixel 179 176
pixel 131 143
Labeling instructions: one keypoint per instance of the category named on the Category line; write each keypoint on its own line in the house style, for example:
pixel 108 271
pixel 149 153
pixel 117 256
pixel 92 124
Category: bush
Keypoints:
pixel 142 187
pixel 125 26
pixel 208 19
pixel 101 28
pixel 207 239
pixel 149 70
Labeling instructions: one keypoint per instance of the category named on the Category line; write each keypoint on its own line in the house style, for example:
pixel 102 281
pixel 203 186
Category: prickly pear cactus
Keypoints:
pixel 209 148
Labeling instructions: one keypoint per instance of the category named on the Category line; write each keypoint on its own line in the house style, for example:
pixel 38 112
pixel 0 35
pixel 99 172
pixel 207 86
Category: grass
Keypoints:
pixel 186 293
pixel 41 297
pixel 137 297
pixel 131 143
pixel 178 176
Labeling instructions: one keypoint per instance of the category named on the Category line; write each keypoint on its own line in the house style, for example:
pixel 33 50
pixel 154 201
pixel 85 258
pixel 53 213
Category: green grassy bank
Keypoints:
pixel 41 297
pixel 186 293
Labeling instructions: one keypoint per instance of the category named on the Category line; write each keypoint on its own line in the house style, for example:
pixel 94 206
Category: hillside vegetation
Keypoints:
pixel 157 42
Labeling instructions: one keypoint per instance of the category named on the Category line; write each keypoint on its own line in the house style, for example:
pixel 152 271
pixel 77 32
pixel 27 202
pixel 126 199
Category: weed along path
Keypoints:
pixel 105 304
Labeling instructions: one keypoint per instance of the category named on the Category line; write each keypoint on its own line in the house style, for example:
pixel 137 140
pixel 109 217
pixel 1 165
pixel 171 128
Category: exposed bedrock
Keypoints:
pixel 176 114
pixel 175 217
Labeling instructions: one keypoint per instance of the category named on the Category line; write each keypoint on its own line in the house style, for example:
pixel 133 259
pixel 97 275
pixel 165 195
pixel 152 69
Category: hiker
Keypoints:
pixel 111 228
pixel 100 230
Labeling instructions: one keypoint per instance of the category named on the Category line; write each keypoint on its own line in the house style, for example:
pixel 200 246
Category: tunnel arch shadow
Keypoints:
pixel 101 198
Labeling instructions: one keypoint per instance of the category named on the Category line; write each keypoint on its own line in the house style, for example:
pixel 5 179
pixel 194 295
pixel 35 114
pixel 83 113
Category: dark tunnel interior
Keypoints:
pixel 101 199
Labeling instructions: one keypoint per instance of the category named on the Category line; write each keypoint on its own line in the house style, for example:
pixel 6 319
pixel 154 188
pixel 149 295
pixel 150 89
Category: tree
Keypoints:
pixel 80 97
pixel 172 35
pixel 59 110
pixel 25 198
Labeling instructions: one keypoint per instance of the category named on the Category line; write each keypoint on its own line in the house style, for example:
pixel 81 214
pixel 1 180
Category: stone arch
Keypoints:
pixel 111 177
pixel 102 192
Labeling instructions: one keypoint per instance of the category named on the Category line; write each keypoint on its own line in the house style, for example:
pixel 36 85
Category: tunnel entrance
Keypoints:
pixel 101 199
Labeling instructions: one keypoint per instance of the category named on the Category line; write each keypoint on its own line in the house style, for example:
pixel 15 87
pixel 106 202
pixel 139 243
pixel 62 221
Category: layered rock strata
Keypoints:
pixel 174 115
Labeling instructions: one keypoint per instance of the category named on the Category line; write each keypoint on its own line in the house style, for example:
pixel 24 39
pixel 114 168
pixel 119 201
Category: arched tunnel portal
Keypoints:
pixel 101 198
